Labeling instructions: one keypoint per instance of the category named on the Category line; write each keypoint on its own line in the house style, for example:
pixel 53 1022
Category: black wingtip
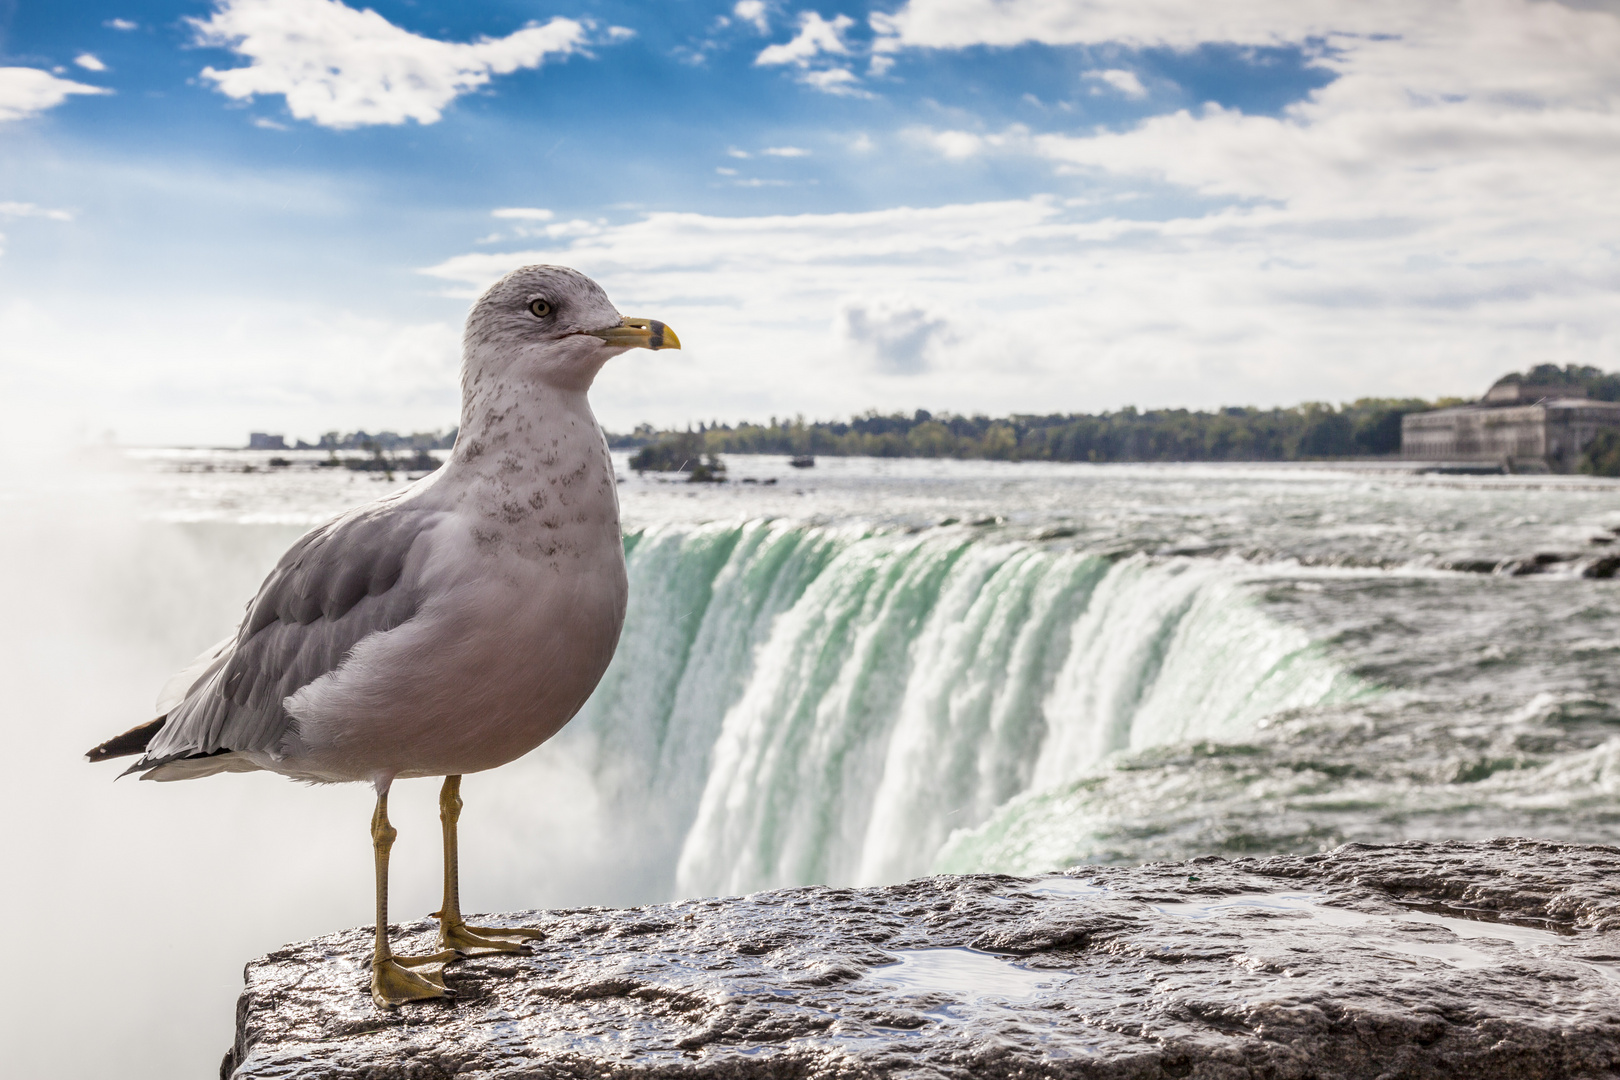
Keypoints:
pixel 130 742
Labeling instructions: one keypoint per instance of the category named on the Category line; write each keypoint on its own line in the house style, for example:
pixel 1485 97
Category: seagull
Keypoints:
pixel 445 629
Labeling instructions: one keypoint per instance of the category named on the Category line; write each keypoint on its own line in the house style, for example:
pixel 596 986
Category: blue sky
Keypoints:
pixel 271 214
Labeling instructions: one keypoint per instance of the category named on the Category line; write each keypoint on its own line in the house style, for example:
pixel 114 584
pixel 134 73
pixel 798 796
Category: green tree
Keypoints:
pixel 1602 456
pixel 673 452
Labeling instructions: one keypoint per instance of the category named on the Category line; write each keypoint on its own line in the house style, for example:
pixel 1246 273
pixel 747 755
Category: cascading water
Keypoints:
pixel 793 704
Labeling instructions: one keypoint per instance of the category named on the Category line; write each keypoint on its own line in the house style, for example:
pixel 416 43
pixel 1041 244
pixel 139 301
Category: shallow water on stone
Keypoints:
pixel 966 974
pixel 1545 942
pixel 1065 886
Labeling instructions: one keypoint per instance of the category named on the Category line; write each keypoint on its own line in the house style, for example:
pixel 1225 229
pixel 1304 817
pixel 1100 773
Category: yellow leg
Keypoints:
pixel 398 979
pixel 454 933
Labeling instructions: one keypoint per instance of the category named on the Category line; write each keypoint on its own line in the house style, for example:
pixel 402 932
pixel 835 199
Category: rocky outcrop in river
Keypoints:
pixel 1498 959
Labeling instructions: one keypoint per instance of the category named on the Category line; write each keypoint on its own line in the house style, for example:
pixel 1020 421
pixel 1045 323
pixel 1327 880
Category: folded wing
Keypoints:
pixel 336 586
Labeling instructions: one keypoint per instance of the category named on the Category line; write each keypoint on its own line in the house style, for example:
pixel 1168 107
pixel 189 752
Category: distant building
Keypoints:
pixel 258 440
pixel 1522 427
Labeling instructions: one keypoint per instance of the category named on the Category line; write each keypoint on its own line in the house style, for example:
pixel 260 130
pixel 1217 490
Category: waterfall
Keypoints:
pixel 794 704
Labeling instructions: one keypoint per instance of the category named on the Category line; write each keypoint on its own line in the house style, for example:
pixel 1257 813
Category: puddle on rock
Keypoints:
pixel 1311 905
pixel 1064 886
pixel 965 974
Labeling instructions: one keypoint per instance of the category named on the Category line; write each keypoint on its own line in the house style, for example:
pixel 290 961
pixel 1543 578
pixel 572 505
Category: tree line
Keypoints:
pixel 1369 427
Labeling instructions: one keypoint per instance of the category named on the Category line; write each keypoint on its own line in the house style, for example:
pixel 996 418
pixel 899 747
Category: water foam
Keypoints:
pixel 794 704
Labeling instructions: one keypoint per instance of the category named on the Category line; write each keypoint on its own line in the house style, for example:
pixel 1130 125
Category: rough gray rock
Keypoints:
pixel 1497 960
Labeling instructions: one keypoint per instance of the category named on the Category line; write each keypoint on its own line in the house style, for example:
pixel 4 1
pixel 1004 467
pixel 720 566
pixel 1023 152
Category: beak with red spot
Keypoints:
pixel 639 334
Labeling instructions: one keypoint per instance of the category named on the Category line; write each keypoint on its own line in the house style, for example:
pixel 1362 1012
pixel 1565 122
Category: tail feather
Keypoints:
pixel 130 742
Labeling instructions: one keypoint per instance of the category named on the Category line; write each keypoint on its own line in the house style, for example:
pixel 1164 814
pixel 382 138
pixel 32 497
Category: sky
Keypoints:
pixel 230 215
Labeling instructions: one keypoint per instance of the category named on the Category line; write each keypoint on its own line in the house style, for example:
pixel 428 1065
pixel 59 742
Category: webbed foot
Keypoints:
pixel 484 940
pixel 398 979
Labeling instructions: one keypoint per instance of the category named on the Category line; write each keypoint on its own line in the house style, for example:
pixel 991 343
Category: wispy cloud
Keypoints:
pixel 955 24
pixel 816 37
pixel 1124 81
pixel 785 151
pixel 90 62
pixel 809 50
pixel 1436 210
pixel 343 68
pixel 1358 244
pixel 121 24
pixel 835 81
pixel 27 209
pixel 754 13
pixel 961 145
pixel 27 91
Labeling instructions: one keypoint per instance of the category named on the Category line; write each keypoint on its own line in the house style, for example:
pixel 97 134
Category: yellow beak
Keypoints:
pixel 639 334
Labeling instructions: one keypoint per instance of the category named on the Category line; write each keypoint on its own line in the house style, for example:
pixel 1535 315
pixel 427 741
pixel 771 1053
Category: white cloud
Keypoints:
pixel 785 151
pixel 809 50
pixel 834 81
pixel 961 145
pixel 1443 206
pixel 343 68
pixel 957 145
pixel 1477 124
pixel 573 227
pixel 268 124
pixel 816 37
pixel 90 62
pixel 954 24
pixel 27 91
pixel 1373 252
pixel 26 209
pixel 1124 81
pixel 736 153
pixel 754 13
pixel 534 222
pixel 723 171
pixel 1439 213
pixel 121 24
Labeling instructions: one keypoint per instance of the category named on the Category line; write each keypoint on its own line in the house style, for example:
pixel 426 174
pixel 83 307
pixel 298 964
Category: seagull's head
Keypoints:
pixel 554 325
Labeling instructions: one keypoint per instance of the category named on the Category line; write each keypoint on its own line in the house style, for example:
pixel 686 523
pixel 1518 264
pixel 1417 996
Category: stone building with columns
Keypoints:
pixel 1522 427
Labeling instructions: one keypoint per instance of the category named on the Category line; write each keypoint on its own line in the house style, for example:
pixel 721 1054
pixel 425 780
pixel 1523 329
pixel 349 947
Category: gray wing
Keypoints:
pixel 334 587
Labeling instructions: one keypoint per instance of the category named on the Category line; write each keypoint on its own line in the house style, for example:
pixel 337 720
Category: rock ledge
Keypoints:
pixel 1498 959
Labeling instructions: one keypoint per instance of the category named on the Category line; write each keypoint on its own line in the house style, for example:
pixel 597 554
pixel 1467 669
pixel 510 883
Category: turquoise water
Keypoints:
pixel 794 705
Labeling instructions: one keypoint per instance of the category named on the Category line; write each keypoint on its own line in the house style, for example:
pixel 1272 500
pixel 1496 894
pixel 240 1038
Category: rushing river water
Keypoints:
pixel 873 670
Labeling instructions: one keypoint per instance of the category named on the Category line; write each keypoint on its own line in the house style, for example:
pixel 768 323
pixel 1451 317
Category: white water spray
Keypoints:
pixel 793 705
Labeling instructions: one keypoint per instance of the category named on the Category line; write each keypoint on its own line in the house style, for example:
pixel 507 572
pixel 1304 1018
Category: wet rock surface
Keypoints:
pixel 1498 959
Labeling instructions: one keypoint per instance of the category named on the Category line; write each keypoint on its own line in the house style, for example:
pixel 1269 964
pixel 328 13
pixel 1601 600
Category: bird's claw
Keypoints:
pixel 485 940
pixel 398 979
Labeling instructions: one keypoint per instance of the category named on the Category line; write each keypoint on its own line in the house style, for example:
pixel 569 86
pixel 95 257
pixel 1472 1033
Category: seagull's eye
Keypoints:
pixel 541 308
